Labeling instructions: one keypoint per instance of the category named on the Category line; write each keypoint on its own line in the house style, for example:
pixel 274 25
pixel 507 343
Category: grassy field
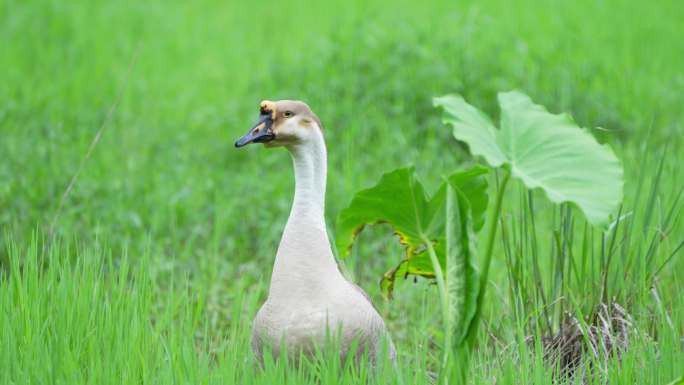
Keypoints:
pixel 152 267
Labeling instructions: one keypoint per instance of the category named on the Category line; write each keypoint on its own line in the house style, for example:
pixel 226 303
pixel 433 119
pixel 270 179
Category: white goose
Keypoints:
pixel 309 298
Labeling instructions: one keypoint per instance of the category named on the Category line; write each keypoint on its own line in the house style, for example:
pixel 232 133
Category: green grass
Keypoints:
pixel 162 251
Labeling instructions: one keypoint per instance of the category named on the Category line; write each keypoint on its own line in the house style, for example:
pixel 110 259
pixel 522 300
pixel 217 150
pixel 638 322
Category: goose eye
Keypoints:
pixel 288 114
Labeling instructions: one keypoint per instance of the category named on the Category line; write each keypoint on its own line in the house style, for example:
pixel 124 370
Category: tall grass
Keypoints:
pixel 75 315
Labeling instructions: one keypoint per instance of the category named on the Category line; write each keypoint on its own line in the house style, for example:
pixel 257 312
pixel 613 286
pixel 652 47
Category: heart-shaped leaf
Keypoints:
pixel 399 200
pixel 543 150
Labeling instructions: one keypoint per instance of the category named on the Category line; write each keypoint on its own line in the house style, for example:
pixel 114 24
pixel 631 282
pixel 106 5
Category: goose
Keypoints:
pixel 309 299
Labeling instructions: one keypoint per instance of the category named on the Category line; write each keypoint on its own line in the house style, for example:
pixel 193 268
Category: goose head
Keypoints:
pixel 282 123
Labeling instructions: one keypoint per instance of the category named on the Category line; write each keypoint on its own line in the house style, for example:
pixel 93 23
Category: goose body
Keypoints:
pixel 309 299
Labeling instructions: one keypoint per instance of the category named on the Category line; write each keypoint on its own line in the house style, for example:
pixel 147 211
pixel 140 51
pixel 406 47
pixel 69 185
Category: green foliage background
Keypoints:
pixel 164 187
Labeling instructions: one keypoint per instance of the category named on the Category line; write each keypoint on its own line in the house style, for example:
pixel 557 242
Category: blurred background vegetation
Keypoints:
pixel 165 184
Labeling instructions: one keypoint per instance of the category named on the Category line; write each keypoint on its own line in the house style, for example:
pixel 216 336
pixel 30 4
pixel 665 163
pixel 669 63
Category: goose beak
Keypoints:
pixel 262 131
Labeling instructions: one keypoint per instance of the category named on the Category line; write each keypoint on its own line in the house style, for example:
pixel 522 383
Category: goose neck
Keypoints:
pixel 305 265
pixel 310 168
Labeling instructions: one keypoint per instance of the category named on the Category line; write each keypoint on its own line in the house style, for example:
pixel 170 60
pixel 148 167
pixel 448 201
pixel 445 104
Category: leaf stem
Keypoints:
pixel 493 221
pixel 444 297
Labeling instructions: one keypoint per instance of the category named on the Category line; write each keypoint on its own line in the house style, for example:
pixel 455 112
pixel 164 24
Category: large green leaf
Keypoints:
pixel 400 201
pixel 543 150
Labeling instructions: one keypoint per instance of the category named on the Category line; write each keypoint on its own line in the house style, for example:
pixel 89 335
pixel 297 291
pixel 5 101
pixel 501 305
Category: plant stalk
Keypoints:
pixel 493 221
pixel 444 297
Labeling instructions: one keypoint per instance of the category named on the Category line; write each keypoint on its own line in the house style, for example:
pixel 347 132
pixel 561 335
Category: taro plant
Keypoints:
pixel 438 233
pixel 542 150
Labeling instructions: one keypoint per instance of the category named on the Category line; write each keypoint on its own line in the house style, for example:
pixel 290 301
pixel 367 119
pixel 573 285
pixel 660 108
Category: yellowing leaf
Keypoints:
pixel 400 201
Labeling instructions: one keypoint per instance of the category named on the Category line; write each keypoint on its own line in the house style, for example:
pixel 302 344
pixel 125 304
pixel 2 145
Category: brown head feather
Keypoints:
pixel 299 108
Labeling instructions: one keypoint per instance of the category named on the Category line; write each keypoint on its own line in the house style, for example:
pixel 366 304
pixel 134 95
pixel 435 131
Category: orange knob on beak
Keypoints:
pixel 262 131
